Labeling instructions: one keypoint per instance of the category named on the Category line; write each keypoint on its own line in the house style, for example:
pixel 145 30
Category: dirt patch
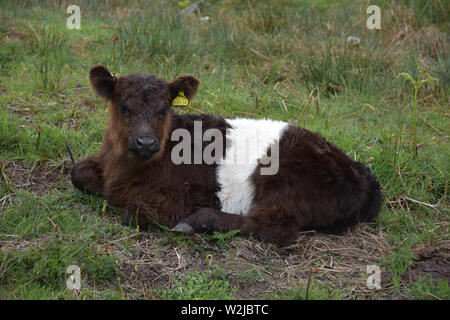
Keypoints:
pixel 431 262
pixel 39 179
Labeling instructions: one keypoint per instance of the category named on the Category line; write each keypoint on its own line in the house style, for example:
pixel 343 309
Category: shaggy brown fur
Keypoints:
pixel 317 186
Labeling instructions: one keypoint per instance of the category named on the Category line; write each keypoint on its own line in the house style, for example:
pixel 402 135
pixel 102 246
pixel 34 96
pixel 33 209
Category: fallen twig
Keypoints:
pixel 434 206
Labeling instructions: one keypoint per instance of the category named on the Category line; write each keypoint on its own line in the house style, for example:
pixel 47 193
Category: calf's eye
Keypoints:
pixel 163 110
pixel 123 109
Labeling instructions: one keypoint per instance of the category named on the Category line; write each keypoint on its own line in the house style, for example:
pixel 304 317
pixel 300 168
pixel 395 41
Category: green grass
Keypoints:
pixel 286 60
pixel 210 284
pixel 316 291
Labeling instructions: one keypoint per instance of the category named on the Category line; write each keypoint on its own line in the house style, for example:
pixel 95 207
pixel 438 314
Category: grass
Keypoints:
pixel 287 60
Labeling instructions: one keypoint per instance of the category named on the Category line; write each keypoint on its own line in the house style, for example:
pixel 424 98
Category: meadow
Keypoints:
pixel 287 60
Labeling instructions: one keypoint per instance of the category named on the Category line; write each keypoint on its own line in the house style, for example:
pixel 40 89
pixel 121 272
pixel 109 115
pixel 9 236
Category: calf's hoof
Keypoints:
pixel 183 227
pixel 199 222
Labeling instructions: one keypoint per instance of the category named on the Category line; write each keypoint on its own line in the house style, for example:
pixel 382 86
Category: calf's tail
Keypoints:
pixel 70 155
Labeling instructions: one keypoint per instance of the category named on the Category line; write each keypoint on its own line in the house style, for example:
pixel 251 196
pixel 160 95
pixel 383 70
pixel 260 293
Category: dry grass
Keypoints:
pixel 338 260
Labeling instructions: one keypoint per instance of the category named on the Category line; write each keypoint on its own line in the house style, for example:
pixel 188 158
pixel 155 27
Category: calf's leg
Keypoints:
pixel 132 215
pixel 87 176
pixel 272 225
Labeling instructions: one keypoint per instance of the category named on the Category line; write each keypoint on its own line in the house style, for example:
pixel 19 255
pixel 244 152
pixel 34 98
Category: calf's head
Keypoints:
pixel 140 109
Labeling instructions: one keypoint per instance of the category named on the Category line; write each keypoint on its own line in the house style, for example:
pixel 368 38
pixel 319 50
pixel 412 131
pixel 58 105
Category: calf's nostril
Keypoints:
pixel 145 142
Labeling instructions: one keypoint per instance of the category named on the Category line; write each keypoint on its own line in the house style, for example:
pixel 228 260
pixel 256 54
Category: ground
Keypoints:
pixel 288 61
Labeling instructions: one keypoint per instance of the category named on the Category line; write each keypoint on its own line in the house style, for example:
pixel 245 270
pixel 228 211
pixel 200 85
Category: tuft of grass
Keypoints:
pixel 426 289
pixel 316 291
pixel 221 239
pixel 52 54
pixel 208 285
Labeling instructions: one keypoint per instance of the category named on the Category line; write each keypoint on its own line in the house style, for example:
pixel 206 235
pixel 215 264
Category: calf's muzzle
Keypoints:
pixel 143 147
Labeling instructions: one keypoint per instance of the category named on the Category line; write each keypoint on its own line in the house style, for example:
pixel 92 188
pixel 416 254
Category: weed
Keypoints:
pixel 424 78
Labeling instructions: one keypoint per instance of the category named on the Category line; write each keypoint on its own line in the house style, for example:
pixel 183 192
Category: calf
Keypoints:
pixel 314 185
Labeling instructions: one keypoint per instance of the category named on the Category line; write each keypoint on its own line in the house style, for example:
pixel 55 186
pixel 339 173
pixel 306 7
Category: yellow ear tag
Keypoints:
pixel 180 100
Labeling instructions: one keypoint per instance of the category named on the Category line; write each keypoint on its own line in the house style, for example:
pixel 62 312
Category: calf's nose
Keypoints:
pixel 146 142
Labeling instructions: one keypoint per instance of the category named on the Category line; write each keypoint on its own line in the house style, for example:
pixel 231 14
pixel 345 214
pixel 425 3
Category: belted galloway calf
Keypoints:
pixel 205 173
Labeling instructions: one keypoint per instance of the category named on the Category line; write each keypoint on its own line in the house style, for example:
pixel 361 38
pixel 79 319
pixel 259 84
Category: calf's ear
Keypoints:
pixel 186 83
pixel 102 81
